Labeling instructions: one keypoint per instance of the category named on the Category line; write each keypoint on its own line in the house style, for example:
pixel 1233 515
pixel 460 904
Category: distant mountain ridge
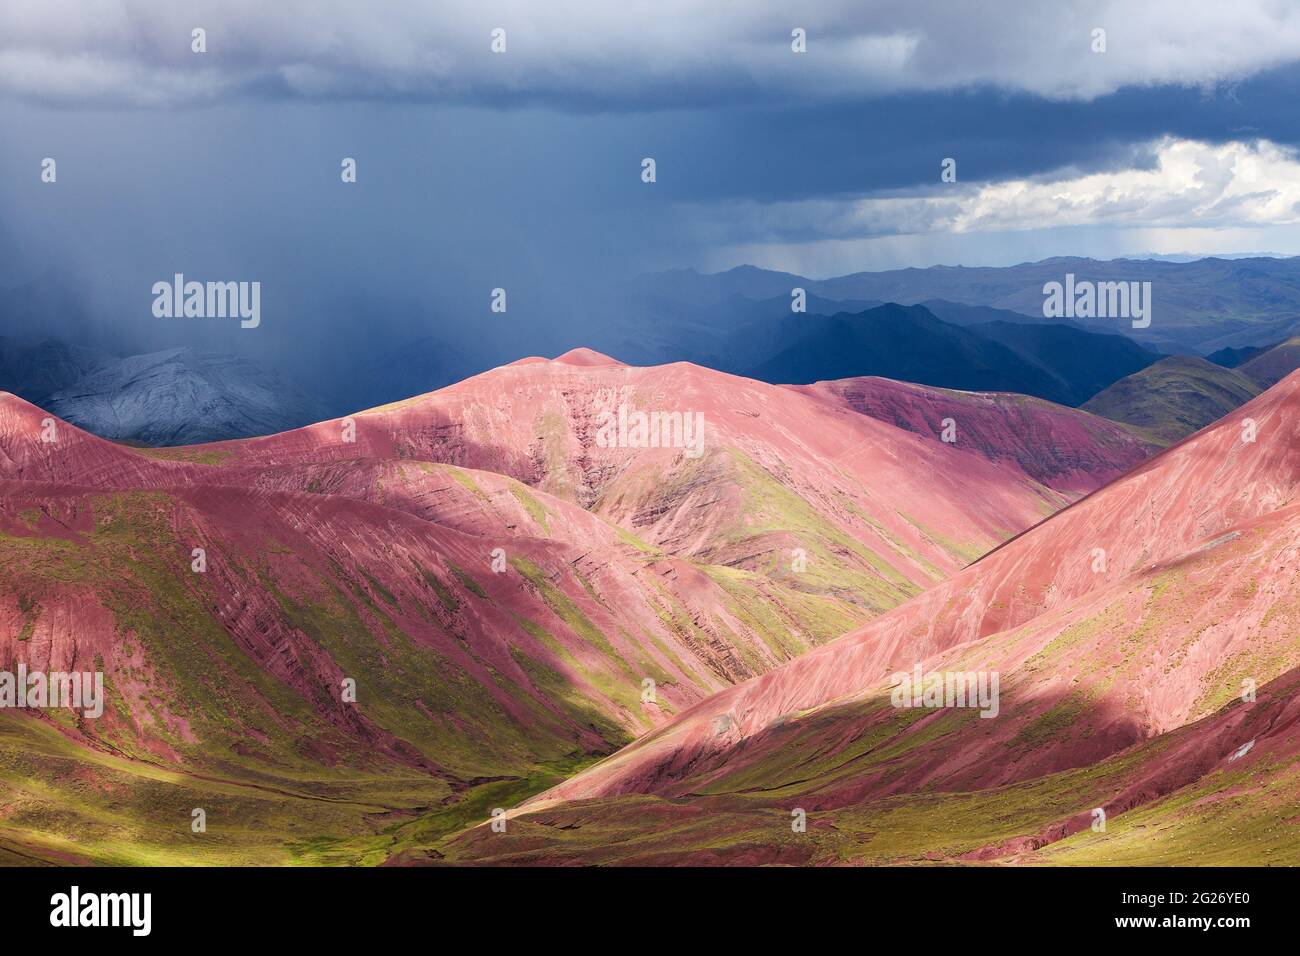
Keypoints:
pixel 1181 394
pixel 1174 397
pixel 1199 306
pixel 1271 366
pixel 188 395
pixel 182 396
pixel 1080 361
pixel 1232 357
pixel 38 370
pixel 1059 363
pixel 898 342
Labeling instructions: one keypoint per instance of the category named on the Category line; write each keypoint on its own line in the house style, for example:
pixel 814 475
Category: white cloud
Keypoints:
pixel 1191 185
pixel 642 52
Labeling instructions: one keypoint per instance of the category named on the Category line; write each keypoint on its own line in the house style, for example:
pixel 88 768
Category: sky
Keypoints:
pixel 522 169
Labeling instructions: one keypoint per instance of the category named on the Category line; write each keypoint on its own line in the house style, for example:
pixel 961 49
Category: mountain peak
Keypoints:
pixel 585 356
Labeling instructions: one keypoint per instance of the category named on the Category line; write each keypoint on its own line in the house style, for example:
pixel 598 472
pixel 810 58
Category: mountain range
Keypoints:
pixel 506 597
pixel 1198 307
pixel 1150 680
pixel 659 613
pixel 1060 363
pixel 975 329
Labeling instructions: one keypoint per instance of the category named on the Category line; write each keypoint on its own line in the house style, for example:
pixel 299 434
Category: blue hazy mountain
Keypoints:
pixel 183 396
pixel 1199 306
pixel 1056 362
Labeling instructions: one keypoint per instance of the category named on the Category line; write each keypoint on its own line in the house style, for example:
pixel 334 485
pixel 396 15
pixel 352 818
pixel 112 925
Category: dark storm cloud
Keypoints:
pixel 522 171
pixel 639 54
pixel 897 142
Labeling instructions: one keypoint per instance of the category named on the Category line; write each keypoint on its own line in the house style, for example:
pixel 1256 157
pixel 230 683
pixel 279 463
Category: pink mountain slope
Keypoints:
pixel 495 621
pixel 574 605
pixel 879 512
pixel 1222 790
pixel 1065 449
pixel 36 446
pixel 1142 609
pixel 779 471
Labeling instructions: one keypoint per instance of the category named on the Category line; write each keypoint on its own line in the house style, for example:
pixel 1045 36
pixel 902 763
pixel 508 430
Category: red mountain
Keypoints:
pixel 500 625
pixel 779 469
pixel 1068 450
pixel 1122 628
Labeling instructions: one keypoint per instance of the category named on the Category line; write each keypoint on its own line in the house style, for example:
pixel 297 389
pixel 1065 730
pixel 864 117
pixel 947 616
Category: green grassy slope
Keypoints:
pixel 1174 397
